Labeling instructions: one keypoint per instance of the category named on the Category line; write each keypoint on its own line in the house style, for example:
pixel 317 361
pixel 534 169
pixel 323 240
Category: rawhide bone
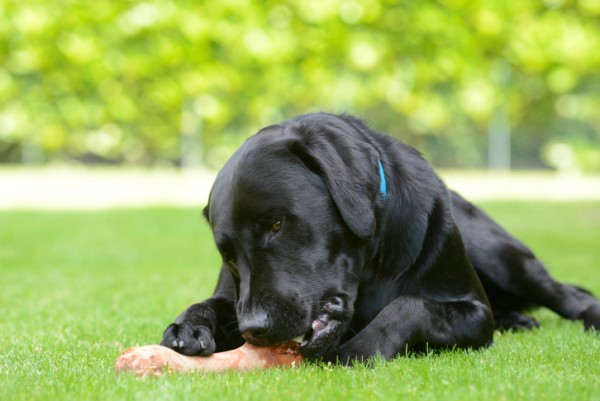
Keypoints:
pixel 156 360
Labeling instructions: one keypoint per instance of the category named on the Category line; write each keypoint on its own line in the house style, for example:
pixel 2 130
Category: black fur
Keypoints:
pixel 311 247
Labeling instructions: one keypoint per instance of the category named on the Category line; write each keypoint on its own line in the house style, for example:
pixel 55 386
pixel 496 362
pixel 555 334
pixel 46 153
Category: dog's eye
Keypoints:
pixel 275 227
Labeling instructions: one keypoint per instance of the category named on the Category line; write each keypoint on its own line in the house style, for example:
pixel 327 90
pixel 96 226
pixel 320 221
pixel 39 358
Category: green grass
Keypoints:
pixel 78 287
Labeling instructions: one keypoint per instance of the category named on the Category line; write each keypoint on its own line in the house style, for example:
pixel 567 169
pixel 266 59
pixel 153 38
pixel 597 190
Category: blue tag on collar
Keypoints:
pixel 382 184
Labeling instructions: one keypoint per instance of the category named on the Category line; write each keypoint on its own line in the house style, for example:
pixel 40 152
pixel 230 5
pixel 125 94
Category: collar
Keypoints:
pixel 382 184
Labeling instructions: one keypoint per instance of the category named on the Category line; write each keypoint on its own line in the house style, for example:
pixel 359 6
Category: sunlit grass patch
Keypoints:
pixel 79 287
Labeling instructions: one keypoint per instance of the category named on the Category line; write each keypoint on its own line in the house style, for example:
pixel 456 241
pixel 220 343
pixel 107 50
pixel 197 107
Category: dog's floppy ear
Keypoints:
pixel 336 149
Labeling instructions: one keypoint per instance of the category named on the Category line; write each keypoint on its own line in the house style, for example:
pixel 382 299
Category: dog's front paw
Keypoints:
pixel 189 340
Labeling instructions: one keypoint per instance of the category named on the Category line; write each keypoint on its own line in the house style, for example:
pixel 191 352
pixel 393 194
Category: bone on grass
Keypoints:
pixel 155 360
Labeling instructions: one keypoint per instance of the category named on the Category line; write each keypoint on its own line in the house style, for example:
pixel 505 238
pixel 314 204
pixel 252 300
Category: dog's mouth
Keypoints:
pixel 317 326
pixel 325 330
pixel 323 335
pixel 300 339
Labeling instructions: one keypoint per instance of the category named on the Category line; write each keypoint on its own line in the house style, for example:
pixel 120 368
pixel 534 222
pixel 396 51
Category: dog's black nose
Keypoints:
pixel 255 327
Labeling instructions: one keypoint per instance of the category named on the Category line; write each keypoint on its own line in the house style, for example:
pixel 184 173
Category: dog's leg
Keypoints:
pixel 512 276
pixel 207 327
pixel 409 322
pixel 537 286
pixel 525 283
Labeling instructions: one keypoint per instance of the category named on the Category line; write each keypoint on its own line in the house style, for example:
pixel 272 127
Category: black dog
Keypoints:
pixel 347 238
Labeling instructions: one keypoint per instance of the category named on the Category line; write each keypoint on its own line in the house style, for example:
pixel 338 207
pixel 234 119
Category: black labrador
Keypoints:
pixel 346 240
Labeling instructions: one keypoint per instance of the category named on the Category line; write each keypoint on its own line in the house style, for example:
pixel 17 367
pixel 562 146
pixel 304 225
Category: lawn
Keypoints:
pixel 78 287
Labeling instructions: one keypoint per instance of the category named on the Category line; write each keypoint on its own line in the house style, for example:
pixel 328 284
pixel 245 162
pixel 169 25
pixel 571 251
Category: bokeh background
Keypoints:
pixel 115 115
pixel 472 84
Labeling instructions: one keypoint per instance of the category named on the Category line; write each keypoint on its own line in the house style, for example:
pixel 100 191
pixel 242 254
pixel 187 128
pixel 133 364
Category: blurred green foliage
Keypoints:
pixel 114 80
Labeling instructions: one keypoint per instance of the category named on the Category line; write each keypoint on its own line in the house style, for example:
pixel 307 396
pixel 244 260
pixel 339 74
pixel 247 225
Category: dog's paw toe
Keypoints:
pixel 515 321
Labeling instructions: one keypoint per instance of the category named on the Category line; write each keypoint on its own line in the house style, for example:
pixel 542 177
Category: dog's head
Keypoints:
pixel 294 215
